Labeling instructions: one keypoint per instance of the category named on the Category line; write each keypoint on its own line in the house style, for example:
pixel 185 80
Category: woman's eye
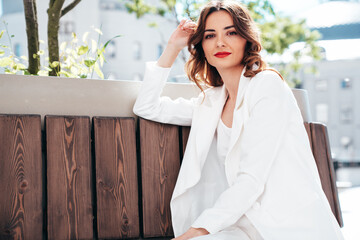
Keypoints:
pixel 209 36
pixel 233 33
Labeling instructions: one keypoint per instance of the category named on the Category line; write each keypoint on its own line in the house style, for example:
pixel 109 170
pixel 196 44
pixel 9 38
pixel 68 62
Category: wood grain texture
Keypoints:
pixel 185 131
pixel 322 155
pixel 69 178
pixel 160 164
pixel 116 178
pixel 21 215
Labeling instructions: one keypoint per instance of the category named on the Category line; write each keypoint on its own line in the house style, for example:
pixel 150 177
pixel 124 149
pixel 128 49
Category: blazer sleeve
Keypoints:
pixel 150 105
pixel 260 142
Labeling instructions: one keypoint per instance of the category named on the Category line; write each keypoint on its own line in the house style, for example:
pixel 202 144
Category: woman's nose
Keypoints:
pixel 220 42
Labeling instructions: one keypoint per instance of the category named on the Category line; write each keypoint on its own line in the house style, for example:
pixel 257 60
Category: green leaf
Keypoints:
pixel 98 71
pixel 153 24
pixel 98 31
pixel 74 70
pixel 4 62
pixel 1 34
pixel 82 50
pixel 54 64
pixel 43 73
pixel 85 36
pixel 20 66
pixel 63 46
pixel 111 40
pixel 66 74
pixel 89 63
pixel 7 71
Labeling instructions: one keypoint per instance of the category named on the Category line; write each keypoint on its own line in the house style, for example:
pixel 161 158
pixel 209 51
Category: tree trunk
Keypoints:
pixel 32 33
pixel 55 12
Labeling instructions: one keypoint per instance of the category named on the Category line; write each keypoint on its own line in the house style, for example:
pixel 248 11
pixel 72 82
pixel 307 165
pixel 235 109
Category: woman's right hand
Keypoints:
pixel 180 36
pixel 177 41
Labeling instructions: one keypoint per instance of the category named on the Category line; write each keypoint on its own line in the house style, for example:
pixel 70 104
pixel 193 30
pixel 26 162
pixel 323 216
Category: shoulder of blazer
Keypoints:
pixel 209 94
pixel 266 83
pixel 266 80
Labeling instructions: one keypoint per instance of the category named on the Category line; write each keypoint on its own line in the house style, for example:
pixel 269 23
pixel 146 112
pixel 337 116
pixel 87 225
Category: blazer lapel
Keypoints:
pixel 240 114
pixel 203 127
pixel 207 121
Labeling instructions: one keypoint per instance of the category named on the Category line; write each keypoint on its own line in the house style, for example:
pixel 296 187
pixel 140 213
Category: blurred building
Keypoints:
pixel 334 91
pixel 126 56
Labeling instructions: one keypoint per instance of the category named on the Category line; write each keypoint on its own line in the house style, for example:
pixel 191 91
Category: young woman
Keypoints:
pixel 248 171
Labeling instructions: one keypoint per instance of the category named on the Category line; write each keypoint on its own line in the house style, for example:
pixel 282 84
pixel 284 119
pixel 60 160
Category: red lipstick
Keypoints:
pixel 222 54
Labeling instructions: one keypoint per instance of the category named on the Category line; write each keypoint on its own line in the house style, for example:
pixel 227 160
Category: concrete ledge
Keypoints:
pixel 90 97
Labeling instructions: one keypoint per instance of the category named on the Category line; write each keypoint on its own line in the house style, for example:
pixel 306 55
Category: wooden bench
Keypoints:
pixel 101 178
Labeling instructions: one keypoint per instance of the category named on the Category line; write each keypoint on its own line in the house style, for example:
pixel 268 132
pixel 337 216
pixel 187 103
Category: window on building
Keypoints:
pixel 67 27
pixel 322 112
pixel 322 53
pixel 137 50
pixel 18 49
pixel 345 83
pixel 346 114
pixel 111 5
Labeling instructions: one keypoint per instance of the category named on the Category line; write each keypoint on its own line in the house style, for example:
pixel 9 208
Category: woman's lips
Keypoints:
pixel 222 54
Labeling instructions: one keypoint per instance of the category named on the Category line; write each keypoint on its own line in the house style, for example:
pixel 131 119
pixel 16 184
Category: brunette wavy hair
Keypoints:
pixel 199 70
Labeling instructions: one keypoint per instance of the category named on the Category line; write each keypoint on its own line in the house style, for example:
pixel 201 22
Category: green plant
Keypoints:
pixel 8 60
pixel 82 59
pixel 77 59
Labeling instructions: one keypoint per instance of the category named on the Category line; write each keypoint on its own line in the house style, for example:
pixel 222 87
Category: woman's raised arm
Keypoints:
pixel 149 104
pixel 177 41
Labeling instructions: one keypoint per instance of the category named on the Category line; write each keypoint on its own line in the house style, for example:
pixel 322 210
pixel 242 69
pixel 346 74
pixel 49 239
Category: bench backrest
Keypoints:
pixel 105 178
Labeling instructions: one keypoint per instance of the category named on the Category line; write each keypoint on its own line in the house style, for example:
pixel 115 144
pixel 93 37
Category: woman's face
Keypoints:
pixel 223 46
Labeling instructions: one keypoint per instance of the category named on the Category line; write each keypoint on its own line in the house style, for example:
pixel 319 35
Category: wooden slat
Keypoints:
pixel 322 154
pixel 308 130
pixel 116 178
pixel 160 164
pixel 69 178
pixel 185 131
pixel 21 215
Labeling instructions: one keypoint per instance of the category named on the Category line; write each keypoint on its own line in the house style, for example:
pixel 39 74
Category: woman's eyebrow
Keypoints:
pixel 212 30
pixel 229 27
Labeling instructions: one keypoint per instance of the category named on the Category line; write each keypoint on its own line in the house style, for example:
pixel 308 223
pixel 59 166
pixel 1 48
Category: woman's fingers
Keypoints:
pixel 187 24
pixel 182 22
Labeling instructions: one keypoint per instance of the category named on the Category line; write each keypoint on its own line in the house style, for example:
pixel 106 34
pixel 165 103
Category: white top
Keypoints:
pixel 223 134
pixel 223 140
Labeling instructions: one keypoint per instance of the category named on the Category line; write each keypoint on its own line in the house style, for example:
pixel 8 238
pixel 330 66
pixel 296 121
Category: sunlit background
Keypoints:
pixel 333 90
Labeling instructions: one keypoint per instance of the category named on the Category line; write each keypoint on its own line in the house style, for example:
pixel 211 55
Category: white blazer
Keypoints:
pixel 270 170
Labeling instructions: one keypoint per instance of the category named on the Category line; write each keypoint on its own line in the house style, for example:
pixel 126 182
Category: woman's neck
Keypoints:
pixel 231 79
